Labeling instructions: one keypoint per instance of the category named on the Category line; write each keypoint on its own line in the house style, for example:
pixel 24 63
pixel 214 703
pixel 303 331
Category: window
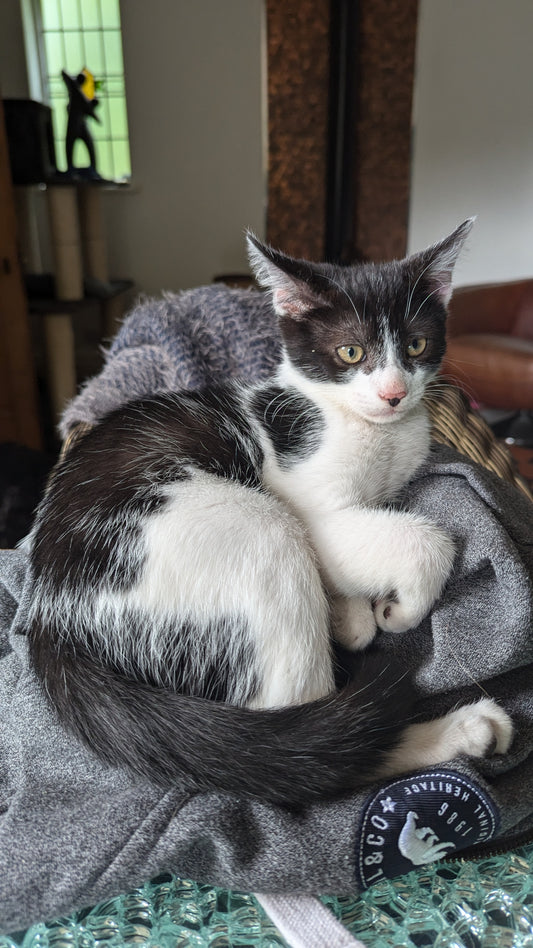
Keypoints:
pixel 71 35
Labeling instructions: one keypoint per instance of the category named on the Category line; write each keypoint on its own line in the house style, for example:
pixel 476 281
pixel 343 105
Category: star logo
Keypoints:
pixel 388 805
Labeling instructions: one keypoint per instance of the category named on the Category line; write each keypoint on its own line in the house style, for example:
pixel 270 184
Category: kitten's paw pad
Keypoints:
pixel 354 625
pixel 486 729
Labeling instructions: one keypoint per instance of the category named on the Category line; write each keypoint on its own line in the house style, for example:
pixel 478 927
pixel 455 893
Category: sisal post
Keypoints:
pixel 92 232
pixel 66 242
pixel 59 344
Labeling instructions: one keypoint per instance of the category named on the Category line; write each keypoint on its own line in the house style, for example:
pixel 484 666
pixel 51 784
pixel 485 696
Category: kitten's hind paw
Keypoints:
pixel 354 625
pixel 486 727
pixel 476 730
pixel 392 616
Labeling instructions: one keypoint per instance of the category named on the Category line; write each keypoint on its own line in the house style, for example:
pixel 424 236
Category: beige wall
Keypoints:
pixel 473 133
pixel 194 86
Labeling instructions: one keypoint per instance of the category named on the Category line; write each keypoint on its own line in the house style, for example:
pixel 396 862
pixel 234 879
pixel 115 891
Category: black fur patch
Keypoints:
pixel 294 423
pixel 181 663
pixel 365 305
pixel 214 676
pixel 114 475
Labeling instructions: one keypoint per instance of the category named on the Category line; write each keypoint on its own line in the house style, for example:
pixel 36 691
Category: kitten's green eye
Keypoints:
pixel 416 346
pixel 351 354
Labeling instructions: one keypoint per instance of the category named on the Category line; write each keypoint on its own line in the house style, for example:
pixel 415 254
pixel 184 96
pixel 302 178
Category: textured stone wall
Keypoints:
pixel 298 76
pixel 298 87
pixel 387 30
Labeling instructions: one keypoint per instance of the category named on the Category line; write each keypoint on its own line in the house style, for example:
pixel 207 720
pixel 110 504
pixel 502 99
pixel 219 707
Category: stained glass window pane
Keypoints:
pixel 50 15
pixel 74 53
pixel 110 14
pixel 70 14
pixel 53 44
pixel 91 15
pixel 94 53
pixel 86 33
pixel 105 158
pixel 113 52
pixel 118 118
pixel 121 156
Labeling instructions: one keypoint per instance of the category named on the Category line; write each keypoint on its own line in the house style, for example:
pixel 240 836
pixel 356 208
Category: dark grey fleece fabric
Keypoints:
pixel 73 831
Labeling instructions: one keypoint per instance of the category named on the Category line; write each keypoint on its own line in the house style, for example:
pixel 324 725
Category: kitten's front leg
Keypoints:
pixel 399 560
pixel 428 559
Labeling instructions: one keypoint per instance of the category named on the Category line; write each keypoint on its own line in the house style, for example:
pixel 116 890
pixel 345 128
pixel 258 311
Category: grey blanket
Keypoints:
pixel 73 831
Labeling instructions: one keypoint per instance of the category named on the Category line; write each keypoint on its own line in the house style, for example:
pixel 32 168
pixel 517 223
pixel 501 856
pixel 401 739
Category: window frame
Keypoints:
pixel 39 86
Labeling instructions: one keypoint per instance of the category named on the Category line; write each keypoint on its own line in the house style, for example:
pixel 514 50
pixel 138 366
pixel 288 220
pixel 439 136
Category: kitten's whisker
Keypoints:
pixel 424 301
pixel 448 380
pixel 345 291
pixel 281 401
pixel 417 281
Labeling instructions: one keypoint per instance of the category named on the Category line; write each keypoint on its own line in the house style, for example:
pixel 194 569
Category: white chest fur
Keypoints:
pixel 366 451
pixel 357 463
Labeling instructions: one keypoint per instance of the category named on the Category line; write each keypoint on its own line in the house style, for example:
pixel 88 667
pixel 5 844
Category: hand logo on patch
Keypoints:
pixel 422 845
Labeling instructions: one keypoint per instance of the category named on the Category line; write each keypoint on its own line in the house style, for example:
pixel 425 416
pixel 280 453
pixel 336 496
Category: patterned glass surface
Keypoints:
pixel 485 904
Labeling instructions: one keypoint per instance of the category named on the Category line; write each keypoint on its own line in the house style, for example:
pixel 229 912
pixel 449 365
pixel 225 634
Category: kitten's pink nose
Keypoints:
pixel 393 398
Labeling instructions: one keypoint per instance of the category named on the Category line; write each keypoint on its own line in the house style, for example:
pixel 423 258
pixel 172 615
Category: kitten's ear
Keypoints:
pixel 296 285
pixel 436 263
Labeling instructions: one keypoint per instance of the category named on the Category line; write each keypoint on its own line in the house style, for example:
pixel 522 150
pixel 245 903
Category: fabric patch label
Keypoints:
pixel 420 818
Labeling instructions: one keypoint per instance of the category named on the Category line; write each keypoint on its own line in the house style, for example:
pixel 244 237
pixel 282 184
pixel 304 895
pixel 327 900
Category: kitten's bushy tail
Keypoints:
pixel 288 756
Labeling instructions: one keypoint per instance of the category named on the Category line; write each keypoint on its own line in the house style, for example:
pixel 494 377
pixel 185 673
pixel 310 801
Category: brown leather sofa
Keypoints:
pixel 490 344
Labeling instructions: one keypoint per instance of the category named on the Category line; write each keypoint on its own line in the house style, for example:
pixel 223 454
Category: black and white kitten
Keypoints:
pixel 201 545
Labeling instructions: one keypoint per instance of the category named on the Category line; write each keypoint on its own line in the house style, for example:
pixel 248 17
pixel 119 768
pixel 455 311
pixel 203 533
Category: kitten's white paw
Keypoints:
pixel 481 729
pixel 421 576
pixel 393 617
pixel 477 730
pixel 353 622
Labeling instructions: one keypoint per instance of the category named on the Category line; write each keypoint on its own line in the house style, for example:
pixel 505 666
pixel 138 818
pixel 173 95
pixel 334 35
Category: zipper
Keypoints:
pixel 487 850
